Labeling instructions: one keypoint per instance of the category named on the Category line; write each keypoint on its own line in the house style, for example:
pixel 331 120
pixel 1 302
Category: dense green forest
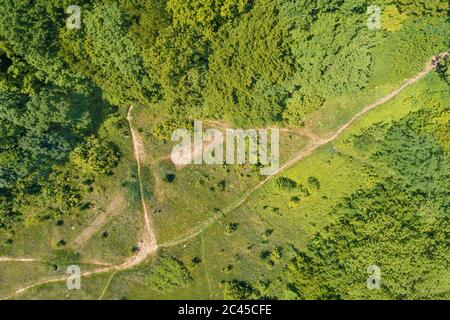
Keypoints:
pixel 248 63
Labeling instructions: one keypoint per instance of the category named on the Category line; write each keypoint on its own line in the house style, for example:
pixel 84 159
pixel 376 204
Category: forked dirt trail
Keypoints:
pixel 148 244
pixel 114 206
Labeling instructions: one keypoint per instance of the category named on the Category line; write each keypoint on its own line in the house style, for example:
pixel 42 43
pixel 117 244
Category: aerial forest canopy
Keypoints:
pixel 250 62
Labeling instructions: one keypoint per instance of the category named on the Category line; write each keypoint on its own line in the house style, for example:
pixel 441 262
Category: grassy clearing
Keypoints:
pixel 340 169
pixel 91 289
pixel 183 198
pixel 338 110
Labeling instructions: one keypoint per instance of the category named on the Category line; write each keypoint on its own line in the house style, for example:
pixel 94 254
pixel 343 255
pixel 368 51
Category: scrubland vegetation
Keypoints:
pixel 378 195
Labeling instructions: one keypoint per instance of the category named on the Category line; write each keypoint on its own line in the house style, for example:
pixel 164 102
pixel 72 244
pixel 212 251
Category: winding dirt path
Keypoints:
pixel 8 259
pixel 315 143
pixel 114 206
pixel 148 244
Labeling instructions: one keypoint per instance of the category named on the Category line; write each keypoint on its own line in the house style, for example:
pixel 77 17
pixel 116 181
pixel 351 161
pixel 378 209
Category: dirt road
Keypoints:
pixel 148 244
